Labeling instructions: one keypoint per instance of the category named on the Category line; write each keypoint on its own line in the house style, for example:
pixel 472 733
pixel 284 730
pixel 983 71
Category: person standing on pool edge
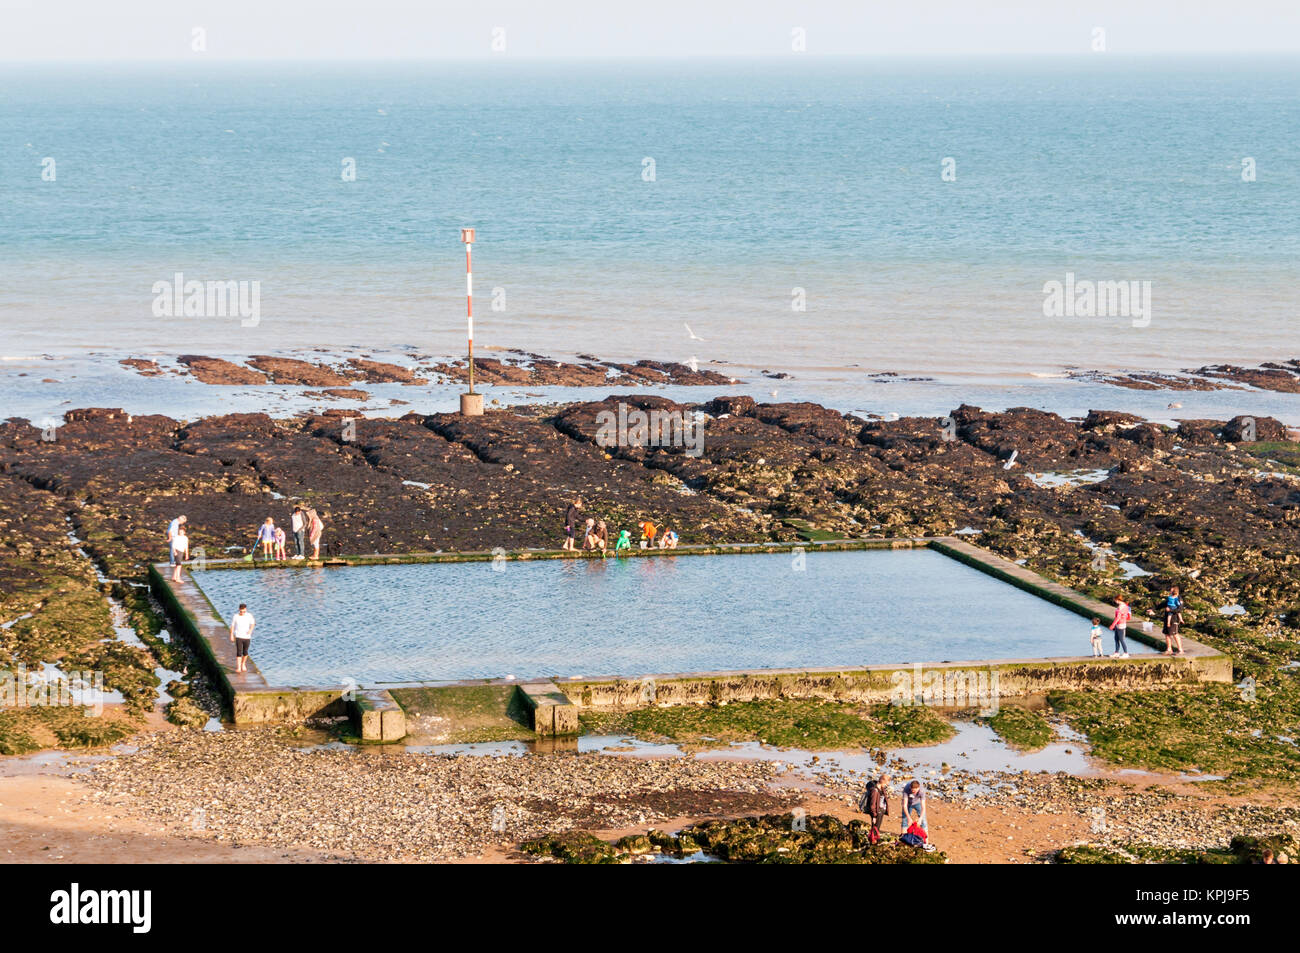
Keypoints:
pixel 1173 620
pixel 174 527
pixel 180 551
pixel 1120 627
pixel 315 526
pixel 571 517
pixel 241 633
pixel 298 523
pixel 266 537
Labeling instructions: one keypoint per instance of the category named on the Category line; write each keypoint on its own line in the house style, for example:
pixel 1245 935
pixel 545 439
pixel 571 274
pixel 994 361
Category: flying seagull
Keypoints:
pixel 694 336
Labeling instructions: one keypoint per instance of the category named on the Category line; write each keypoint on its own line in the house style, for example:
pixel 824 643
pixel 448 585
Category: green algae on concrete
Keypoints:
pixel 809 724
pixel 465 714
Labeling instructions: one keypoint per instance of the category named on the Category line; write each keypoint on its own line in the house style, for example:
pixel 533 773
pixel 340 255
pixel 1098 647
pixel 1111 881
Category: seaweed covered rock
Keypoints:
pixel 740 405
pixel 819 839
pixel 1243 429
pixel 1242 850
pixel 185 713
pixel 1250 850
pixel 572 847
pixel 770 839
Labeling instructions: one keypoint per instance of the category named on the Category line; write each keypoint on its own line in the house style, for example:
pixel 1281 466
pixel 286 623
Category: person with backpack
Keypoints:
pixel 1173 620
pixel 1120 627
pixel 875 803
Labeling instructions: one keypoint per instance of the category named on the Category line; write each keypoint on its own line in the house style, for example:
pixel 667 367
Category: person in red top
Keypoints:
pixel 1120 627
pixel 647 534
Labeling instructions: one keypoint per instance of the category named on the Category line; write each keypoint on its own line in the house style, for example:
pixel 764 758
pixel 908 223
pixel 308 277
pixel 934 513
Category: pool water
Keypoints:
pixel 381 625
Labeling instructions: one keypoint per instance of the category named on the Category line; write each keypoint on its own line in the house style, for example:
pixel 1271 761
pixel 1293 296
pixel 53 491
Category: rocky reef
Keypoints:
pixel 515 368
pixel 1086 502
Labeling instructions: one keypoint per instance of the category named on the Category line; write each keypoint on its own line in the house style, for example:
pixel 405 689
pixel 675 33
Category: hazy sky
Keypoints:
pixel 332 29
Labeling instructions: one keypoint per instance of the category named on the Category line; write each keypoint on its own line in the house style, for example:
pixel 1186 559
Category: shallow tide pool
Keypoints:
pixel 382 625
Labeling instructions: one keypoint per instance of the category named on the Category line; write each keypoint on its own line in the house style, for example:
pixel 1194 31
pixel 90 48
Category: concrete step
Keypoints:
pixel 553 711
pixel 377 716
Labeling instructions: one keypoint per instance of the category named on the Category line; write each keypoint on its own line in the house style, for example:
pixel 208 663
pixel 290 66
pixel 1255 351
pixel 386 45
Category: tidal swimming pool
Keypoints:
pixel 381 625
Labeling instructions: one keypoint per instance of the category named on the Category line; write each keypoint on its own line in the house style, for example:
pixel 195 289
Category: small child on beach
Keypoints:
pixel 279 543
pixel 624 541
pixel 1096 638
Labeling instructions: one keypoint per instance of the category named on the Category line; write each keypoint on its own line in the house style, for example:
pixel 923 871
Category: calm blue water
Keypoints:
pixel 770 175
pixel 634 617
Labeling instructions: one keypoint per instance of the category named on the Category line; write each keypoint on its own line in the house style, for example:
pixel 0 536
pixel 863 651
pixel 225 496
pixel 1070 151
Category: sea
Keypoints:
pixel 883 232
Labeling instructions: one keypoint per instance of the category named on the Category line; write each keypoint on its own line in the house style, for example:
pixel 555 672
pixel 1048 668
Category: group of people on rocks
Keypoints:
pixel 915 825
pixel 595 533
pixel 305 524
pixel 1173 621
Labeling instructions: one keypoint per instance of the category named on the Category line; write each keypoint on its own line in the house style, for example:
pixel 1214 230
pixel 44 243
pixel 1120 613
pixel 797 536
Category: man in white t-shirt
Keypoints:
pixel 241 633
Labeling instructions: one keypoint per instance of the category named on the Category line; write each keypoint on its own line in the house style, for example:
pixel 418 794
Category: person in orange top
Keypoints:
pixel 647 534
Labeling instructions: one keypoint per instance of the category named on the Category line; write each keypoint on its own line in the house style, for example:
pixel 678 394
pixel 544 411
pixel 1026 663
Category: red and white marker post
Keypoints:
pixel 471 404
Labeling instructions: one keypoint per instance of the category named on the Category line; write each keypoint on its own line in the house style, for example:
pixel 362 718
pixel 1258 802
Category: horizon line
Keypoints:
pixel 658 57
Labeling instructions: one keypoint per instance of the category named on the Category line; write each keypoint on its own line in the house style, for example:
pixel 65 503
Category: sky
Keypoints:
pixel 436 29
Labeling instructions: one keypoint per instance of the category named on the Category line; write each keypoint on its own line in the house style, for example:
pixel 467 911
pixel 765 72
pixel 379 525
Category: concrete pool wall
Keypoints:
pixel 555 703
